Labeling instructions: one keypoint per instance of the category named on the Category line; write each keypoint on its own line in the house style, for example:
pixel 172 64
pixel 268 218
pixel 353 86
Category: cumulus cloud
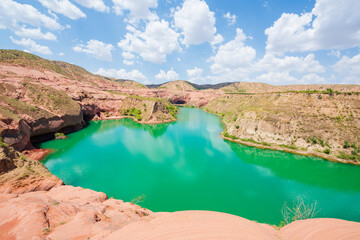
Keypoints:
pixel 348 69
pixel 328 26
pixel 306 64
pixel 334 53
pixel 17 17
pixel 171 75
pixel 230 18
pixel 276 78
pixel 128 55
pixel 64 7
pixel 128 62
pixel 139 9
pixel 152 44
pixel 233 57
pixel 122 74
pixel 195 75
pixel 97 49
pixel 98 5
pixel 196 21
pixel 34 33
pixel 32 46
pixel 284 78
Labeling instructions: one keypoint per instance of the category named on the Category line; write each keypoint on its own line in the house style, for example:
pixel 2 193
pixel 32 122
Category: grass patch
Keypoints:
pixel 133 112
pixel 173 111
pixel 289 146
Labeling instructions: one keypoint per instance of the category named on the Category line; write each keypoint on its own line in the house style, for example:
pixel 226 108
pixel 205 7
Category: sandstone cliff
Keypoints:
pixel 320 123
pixel 39 97
pixel 18 174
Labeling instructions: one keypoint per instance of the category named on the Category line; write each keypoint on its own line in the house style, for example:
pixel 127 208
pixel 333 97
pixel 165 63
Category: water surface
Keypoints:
pixel 187 166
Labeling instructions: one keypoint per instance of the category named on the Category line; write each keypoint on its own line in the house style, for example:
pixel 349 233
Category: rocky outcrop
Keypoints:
pixel 68 212
pixel 314 123
pixel 19 174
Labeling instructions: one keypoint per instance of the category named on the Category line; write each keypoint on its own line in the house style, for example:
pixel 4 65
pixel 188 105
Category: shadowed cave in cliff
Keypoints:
pixel 178 101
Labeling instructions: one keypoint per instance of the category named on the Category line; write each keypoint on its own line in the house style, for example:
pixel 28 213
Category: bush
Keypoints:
pixel 59 135
pixel 298 211
pixel 133 112
pixel 327 151
pixel 2 144
pixel 173 111
pixel 138 199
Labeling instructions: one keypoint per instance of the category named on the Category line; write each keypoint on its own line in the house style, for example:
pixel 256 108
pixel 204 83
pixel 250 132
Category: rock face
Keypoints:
pixel 39 97
pixel 18 174
pixel 316 123
pixel 67 212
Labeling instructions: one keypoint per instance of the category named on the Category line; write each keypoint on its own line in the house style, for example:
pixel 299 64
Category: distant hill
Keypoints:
pixel 130 84
pixel 188 85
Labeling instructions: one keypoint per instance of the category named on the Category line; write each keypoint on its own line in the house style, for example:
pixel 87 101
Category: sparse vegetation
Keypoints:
pixel 138 199
pixel 173 110
pixel 289 146
pixel 299 210
pixel 133 112
pixel 2 144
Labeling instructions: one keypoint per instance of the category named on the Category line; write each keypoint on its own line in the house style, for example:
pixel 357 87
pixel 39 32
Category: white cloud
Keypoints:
pixel 98 5
pixel 96 49
pixel 157 41
pixel 217 39
pixel 64 7
pixel 32 46
pixel 195 75
pixel 196 21
pixel 122 74
pixel 348 69
pixel 233 57
pixel 16 17
pixel 330 25
pixel 284 78
pixel 34 33
pixel 334 53
pixel 139 9
pixel 312 78
pixel 128 62
pixel 128 55
pixel 231 18
pixel 306 64
pixel 61 54
pixel 276 78
pixel 171 75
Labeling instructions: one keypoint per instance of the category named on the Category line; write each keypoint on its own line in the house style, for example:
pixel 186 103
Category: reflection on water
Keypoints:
pixel 187 166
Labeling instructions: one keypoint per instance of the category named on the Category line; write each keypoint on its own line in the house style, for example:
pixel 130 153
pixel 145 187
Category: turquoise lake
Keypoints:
pixel 185 165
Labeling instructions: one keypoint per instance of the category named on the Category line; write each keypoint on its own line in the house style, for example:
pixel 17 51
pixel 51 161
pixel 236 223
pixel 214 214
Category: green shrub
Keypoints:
pixel 237 126
pixel 59 135
pixel 133 112
pixel 2 144
pixel 173 110
pixel 327 151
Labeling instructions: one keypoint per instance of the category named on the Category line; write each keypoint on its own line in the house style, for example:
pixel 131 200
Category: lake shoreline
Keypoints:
pixel 283 149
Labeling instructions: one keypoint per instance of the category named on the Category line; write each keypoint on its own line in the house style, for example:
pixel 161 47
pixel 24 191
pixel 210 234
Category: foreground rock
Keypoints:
pixel 67 212
pixel 19 174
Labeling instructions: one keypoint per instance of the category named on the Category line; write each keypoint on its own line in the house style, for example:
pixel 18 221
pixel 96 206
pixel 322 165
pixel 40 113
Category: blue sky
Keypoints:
pixel 203 41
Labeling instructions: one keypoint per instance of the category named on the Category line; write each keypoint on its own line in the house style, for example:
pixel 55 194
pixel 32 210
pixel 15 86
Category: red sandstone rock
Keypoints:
pixel 68 212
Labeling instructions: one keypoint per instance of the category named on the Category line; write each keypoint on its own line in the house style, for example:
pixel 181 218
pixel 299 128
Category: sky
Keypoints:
pixel 203 41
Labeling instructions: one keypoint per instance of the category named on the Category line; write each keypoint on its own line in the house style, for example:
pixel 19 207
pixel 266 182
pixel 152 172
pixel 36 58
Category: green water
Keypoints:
pixel 187 166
